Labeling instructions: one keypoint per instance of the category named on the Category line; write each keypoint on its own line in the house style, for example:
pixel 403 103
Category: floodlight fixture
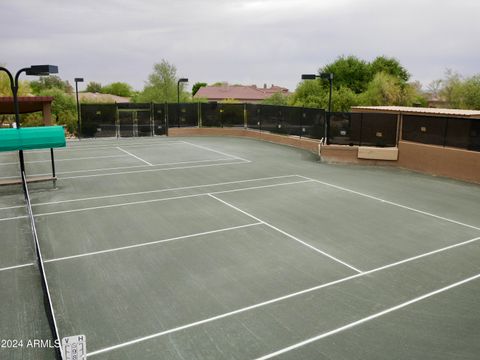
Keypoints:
pixel 41 70
pixel 329 77
pixel 181 80
pixel 79 119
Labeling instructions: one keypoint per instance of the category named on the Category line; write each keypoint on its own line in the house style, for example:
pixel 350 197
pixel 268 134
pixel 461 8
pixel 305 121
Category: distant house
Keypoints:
pixel 240 93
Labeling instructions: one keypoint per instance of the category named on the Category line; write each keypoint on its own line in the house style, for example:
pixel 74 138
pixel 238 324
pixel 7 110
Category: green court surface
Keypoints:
pixel 229 248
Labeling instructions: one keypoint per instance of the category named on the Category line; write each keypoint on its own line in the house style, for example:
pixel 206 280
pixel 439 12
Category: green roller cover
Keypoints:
pixel 30 138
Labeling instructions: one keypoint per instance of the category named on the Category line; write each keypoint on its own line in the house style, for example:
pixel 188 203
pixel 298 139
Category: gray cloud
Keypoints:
pixel 240 41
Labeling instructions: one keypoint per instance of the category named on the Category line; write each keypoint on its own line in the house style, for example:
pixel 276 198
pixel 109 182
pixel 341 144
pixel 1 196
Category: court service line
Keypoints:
pixel 152 242
pixel 135 156
pixel 392 203
pixel 134 167
pixel 153 170
pixel 16 266
pixel 68 159
pixel 153 200
pixel 215 151
pixel 275 300
pixel 118 142
pixel 368 318
pixel 150 191
pixel 102 147
pixel 287 234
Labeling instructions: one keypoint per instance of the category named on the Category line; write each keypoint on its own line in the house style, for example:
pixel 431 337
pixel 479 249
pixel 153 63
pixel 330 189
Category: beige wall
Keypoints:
pixel 430 159
pixel 348 155
pixel 436 160
pixel 302 143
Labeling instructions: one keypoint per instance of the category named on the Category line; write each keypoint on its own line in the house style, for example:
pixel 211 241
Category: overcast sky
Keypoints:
pixel 239 41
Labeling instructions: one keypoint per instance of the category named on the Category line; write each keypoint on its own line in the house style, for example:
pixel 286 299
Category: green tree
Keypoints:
pixel 5 89
pixel 162 85
pixel 64 110
pixel 118 88
pixel 434 88
pixel 308 93
pixel 276 99
pixel 387 89
pixel 350 72
pixel 342 99
pixel 453 89
pixel 389 66
pixel 384 89
pixel 312 93
pixel 94 87
pixel 471 93
pixel 197 86
pixel 50 82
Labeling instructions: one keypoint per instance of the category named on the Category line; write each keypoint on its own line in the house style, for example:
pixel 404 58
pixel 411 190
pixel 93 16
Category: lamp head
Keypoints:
pixel 309 76
pixel 78 79
pixel 42 70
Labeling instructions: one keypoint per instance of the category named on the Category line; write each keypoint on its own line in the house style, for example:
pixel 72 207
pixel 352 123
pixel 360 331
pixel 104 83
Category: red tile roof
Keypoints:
pixel 238 92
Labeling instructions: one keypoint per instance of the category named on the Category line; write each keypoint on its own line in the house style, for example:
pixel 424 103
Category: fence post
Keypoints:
pixel 361 130
pixel 117 121
pixel 445 132
pixel 199 115
pixel 152 125
pixel 167 125
pixel 245 119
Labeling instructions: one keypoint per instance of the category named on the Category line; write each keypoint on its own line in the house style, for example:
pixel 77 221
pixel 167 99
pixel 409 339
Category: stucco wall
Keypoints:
pixel 302 143
pixel 436 160
pixel 348 155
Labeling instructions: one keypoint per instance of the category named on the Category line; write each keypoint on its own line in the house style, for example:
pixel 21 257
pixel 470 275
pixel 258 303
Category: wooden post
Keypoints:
pixel 47 113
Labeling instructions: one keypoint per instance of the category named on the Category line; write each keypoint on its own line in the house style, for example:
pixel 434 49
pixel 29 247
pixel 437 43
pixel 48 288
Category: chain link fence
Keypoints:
pixel 362 129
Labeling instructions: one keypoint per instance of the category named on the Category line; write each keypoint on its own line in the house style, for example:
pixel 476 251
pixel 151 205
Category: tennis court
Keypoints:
pixel 229 248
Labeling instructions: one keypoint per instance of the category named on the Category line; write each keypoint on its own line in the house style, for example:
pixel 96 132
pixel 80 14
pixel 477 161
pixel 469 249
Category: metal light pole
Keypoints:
pixel 181 80
pixel 329 77
pixel 77 80
pixel 35 70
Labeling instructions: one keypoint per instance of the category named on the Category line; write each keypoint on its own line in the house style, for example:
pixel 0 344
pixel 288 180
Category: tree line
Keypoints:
pixel 383 81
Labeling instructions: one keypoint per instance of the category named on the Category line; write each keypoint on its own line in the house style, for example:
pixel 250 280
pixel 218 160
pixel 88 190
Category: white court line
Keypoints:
pixel 368 318
pixel 275 300
pixel 215 151
pixel 16 266
pixel 98 147
pixel 286 234
pixel 152 170
pixel 151 243
pixel 152 200
pixel 69 159
pixel 118 168
pixel 391 203
pixel 150 191
pixel 135 156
